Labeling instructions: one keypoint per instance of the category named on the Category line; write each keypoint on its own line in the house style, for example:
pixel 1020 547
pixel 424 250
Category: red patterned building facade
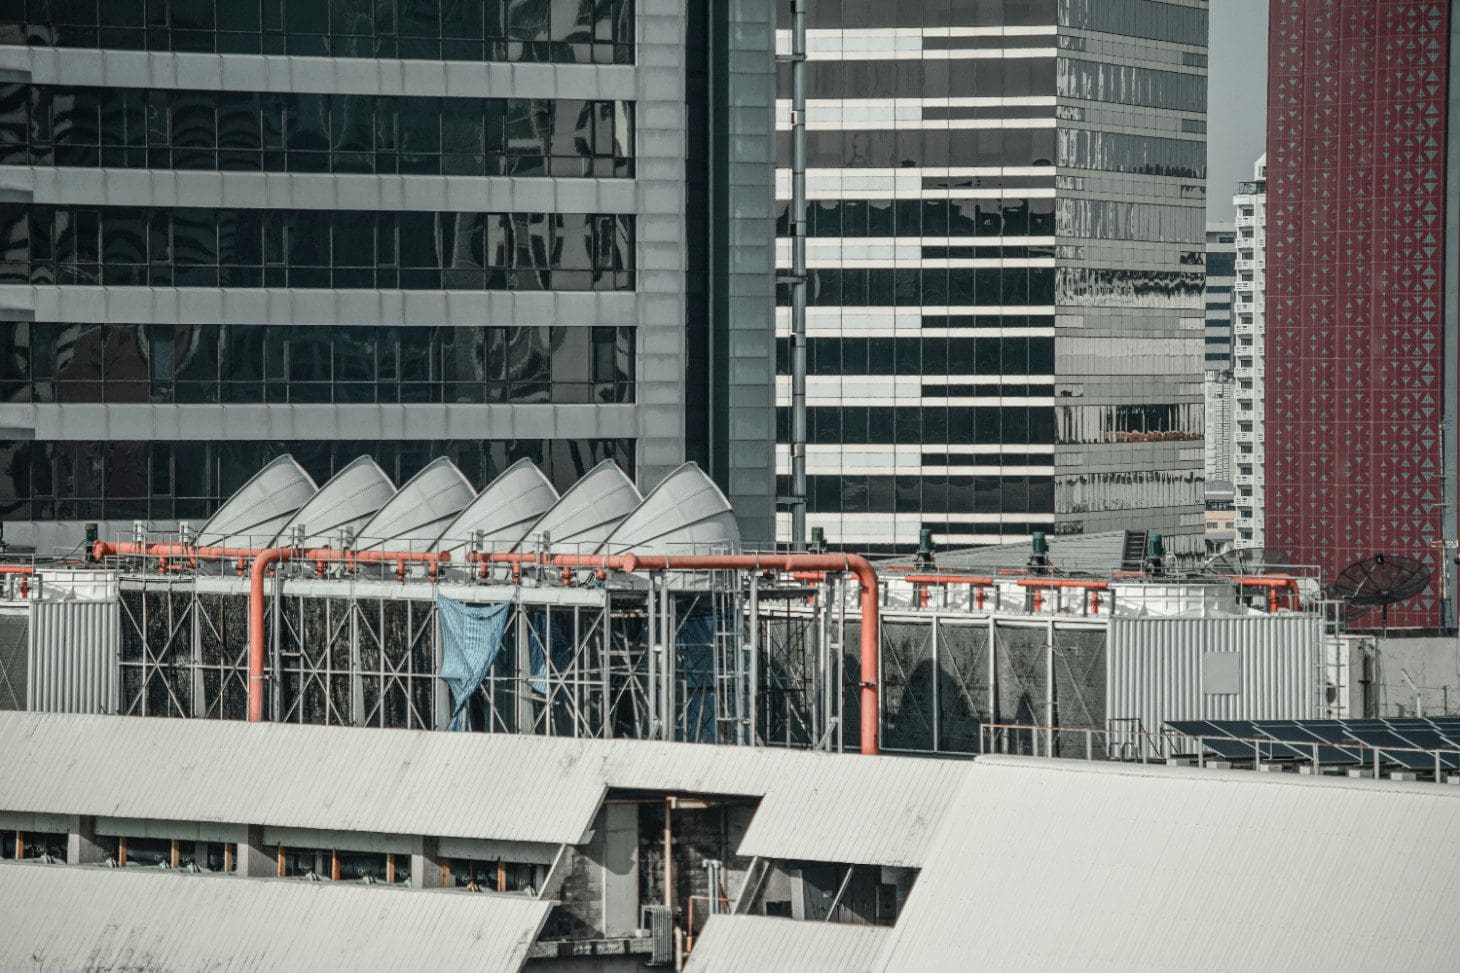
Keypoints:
pixel 1361 361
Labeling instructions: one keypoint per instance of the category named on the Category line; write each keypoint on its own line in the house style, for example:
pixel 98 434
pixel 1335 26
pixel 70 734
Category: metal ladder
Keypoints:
pixel 732 662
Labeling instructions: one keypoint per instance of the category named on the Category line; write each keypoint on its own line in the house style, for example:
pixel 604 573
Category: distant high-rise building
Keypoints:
pixel 1362 357
pixel 1218 385
pixel 1218 393
pixel 1221 275
pixel 1006 236
pixel 481 230
pixel 1248 355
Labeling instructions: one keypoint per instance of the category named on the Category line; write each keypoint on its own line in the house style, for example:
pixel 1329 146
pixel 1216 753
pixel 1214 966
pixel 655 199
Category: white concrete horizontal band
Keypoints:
pixel 905 454
pixel 836 191
pixel 317 191
pixel 905 262
pixel 904 246
pixel 186 305
pixel 1037 30
pixel 898 43
pixel 887 399
pixel 813 105
pixel 911 316
pixel 903 52
pixel 910 120
pixel 831 330
pixel 876 519
pixel 241 422
pixel 322 75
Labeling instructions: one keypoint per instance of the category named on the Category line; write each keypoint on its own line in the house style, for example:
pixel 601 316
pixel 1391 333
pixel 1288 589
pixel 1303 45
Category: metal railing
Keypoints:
pixel 1161 746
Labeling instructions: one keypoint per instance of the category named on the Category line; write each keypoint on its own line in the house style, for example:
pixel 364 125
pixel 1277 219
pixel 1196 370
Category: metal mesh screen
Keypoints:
pixel 907 686
pixel 1079 692
pixel 787 682
pixel 1021 686
pixel 157 652
pixel 963 685
pixel 851 684
pixel 14 649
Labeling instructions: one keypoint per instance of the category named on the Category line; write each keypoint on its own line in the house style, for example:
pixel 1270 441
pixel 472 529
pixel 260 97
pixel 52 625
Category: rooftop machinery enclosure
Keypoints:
pixel 765 656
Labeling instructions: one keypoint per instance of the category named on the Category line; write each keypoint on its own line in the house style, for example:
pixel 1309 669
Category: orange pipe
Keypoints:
pixel 947 579
pixel 830 563
pixel 1270 581
pixel 263 559
pixel 1063 583
pixel 15 569
pixel 628 563
pixel 256 575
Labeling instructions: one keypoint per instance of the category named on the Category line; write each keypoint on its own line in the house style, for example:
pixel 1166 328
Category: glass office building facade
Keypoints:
pixel 231 229
pixel 1005 256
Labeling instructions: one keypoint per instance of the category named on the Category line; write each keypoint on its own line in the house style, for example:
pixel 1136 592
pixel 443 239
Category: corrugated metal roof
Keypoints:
pixel 504 510
pixel 74 918
pixel 770 945
pixel 1096 553
pixel 419 513
pixel 349 499
pixel 685 514
pixel 252 516
pixel 343 778
pixel 879 810
pixel 1047 864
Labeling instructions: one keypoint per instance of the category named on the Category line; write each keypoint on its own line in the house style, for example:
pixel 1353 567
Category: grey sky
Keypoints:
pixel 1237 99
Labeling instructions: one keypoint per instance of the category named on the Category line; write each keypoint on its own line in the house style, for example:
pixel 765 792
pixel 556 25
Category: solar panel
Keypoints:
pixel 1291 731
pixel 1428 738
pixel 1213 738
pixel 1409 742
pixel 1386 740
pixel 1249 730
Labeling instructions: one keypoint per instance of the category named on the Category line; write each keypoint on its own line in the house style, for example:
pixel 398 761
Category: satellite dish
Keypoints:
pixel 1381 580
pixel 1245 561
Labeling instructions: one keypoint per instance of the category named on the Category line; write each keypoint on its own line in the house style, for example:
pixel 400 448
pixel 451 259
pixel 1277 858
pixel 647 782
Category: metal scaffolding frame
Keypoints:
pixel 715 656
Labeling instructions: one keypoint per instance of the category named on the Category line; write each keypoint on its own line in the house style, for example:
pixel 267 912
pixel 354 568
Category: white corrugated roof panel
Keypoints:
pixel 1063 864
pixel 588 512
pixel 348 500
pixel 73 918
pixel 504 510
pixel 419 513
pixel 879 810
pixel 462 785
pixel 685 514
pixel 252 516
pixel 765 944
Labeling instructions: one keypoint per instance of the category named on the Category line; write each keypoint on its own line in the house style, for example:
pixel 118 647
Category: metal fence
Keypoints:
pixel 1137 745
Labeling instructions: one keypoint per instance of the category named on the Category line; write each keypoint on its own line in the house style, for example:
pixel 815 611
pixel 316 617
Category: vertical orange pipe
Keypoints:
pixel 838 563
pixel 256 576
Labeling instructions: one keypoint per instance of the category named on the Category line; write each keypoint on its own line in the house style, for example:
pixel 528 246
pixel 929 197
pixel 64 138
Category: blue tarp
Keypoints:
pixel 471 640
